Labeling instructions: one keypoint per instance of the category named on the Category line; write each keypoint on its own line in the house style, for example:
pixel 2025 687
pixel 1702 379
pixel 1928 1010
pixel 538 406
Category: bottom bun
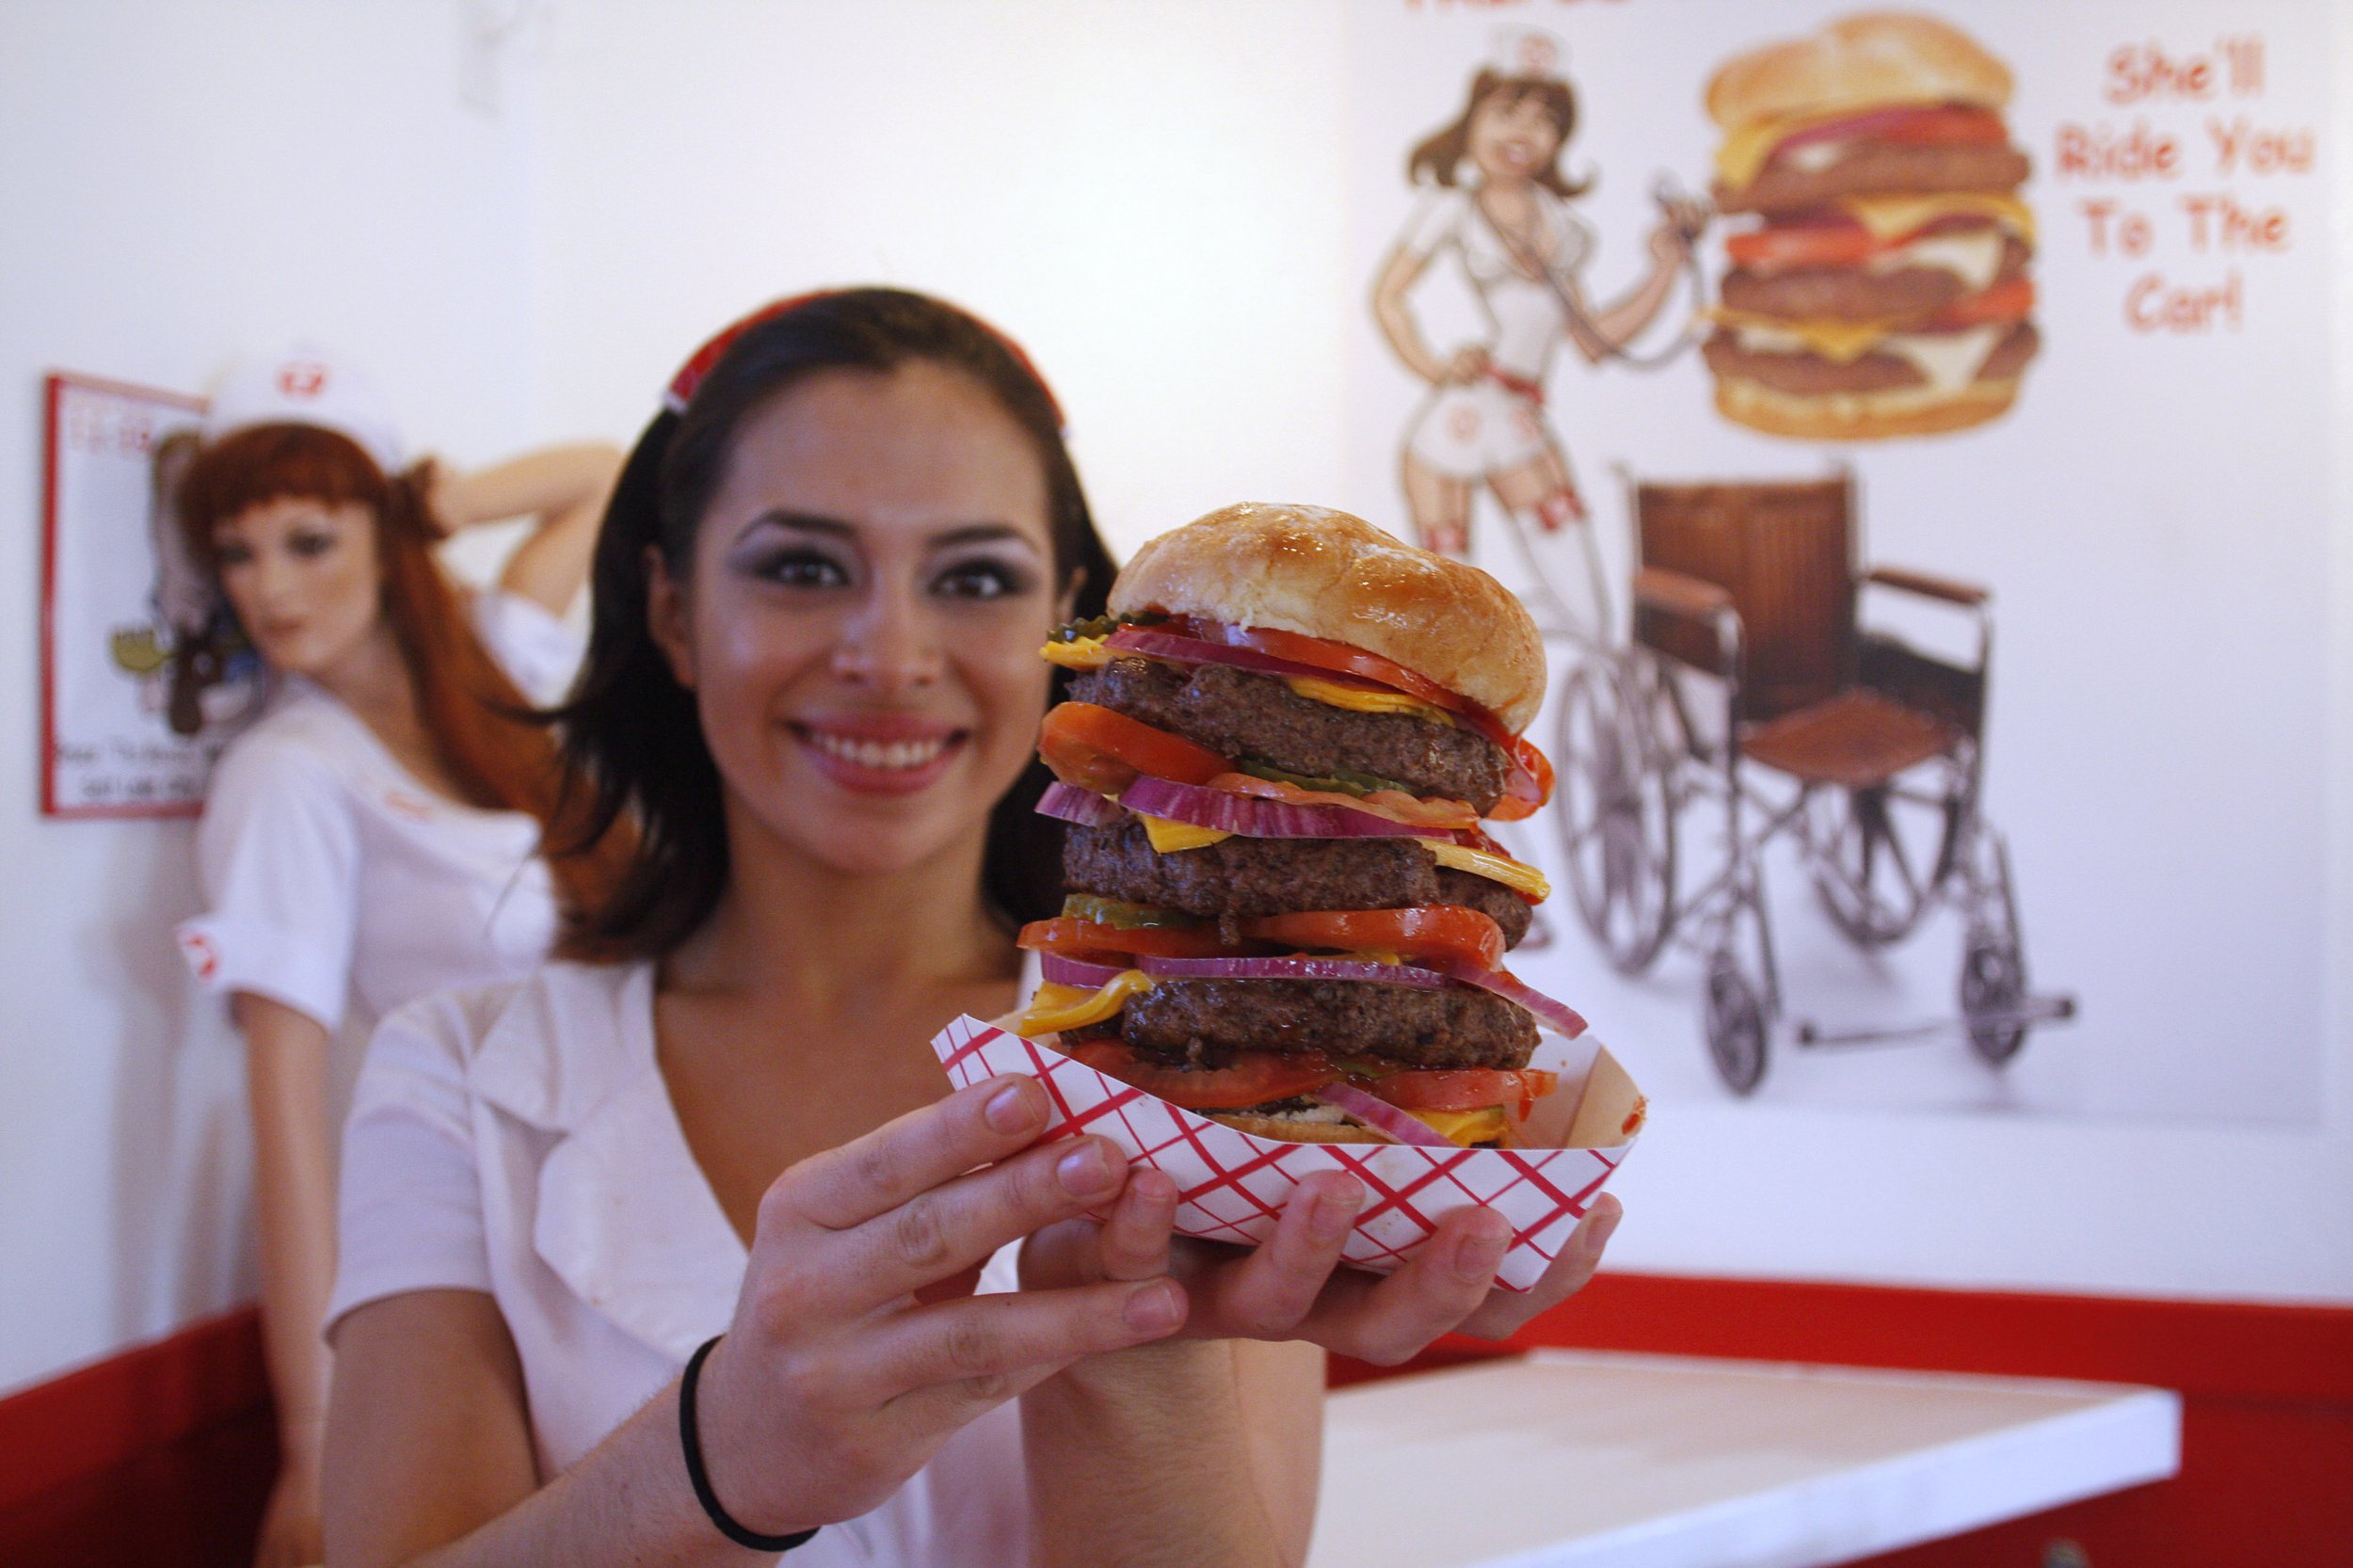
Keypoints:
pixel 1296 1128
pixel 1863 416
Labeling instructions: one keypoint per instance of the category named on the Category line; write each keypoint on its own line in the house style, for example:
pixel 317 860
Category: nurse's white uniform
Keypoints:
pixel 336 884
pixel 1471 431
pixel 519 1141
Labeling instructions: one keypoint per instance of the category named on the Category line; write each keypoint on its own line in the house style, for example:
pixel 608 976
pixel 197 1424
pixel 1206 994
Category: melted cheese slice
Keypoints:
pixel 1946 360
pixel 1949 361
pixel 1086 653
pixel 1053 1008
pixel 1465 1127
pixel 1168 836
pixel 1839 342
pixel 1974 256
pixel 1356 700
pixel 1890 217
pixel 1519 877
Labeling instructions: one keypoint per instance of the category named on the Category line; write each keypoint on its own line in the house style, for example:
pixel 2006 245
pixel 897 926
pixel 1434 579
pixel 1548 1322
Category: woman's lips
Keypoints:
pixel 880 754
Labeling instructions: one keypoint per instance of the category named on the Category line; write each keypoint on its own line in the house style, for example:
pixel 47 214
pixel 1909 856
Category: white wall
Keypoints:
pixel 184 183
pixel 1148 193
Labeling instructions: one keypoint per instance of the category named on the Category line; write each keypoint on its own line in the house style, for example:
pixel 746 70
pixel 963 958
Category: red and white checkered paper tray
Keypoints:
pixel 1232 1185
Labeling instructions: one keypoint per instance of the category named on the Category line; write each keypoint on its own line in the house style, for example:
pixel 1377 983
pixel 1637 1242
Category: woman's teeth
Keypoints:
pixel 879 754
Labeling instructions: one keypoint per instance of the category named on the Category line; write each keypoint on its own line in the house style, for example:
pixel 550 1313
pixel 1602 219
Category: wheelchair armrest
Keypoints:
pixel 1968 595
pixel 1680 594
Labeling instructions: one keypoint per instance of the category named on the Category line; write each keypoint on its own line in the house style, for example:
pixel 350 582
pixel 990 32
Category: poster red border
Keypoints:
pixel 52 392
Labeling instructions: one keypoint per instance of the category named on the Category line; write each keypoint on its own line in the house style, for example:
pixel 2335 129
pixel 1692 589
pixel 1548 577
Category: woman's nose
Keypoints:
pixel 889 645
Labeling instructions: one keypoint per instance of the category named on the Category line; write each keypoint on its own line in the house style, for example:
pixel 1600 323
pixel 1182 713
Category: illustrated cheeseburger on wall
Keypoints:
pixel 1884 292
pixel 1283 911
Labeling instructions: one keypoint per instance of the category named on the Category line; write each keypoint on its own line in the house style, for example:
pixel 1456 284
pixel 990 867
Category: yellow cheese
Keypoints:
pixel 1086 653
pixel 1514 874
pixel 1890 217
pixel 1053 1008
pixel 1168 836
pixel 1839 342
pixel 1355 700
pixel 1465 1127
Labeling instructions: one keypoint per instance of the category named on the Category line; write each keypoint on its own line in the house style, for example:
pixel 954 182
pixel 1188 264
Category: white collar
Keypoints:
pixel 626 1218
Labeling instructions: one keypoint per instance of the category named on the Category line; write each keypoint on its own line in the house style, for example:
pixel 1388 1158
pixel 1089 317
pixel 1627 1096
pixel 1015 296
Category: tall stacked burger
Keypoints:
pixel 1884 292
pixel 1283 911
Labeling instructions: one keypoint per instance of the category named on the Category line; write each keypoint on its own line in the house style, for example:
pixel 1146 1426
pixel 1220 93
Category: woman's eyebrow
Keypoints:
pixel 980 533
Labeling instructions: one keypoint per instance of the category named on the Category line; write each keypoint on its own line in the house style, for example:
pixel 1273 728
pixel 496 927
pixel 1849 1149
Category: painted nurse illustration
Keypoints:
pixel 1494 195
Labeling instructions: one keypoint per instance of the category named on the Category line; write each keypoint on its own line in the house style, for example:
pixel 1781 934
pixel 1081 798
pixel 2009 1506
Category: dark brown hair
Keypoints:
pixel 1438 158
pixel 479 724
pixel 633 733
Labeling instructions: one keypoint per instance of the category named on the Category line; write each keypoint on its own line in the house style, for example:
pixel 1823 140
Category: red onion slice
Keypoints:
pixel 1559 1014
pixel 1254 817
pixel 1373 1112
pixel 1057 970
pixel 1292 969
pixel 1192 650
pixel 1071 804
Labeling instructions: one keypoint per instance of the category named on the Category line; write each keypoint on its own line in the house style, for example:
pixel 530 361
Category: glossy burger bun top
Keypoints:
pixel 1326 574
pixel 1872 61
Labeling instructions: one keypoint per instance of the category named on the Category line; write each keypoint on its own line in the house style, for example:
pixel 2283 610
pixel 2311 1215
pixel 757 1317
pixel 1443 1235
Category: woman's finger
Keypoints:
pixel 961 1354
pixel 935 1233
pixel 873 1175
pixel 1503 1312
pixel 1437 1288
pixel 1134 1240
pixel 1266 1294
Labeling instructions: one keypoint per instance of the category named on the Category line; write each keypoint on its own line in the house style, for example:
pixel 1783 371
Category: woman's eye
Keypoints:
pixel 310 546
pixel 802 568
pixel 981 580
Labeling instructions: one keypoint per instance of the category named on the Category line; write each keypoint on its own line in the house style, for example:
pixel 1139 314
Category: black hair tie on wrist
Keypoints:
pixel 701 1480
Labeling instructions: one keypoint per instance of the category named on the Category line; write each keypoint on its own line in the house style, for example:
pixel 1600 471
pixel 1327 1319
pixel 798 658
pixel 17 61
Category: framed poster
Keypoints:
pixel 143 673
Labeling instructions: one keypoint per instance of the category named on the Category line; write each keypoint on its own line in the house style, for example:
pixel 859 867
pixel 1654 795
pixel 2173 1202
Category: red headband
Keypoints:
pixel 689 374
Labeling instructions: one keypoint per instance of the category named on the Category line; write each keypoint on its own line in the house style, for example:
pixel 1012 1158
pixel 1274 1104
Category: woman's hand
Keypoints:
pixel 1464 365
pixel 1290 1287
pixel 290 1535
pixel 835 1383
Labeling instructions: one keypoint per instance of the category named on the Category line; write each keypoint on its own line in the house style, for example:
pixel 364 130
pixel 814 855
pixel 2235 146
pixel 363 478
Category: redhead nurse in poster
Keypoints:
pixel 1495 197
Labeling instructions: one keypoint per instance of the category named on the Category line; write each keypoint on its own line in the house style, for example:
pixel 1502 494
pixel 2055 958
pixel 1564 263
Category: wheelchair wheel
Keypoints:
pixel 1993 971
pixel 1735 1025
pixel 1878 856
pixel 1616 814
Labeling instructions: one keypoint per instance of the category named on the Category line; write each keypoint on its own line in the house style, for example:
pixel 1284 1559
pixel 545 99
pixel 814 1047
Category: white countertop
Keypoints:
pixel 1589 1459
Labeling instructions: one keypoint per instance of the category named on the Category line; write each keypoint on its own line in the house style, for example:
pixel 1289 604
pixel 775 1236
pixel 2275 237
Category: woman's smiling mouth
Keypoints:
pixel 879 753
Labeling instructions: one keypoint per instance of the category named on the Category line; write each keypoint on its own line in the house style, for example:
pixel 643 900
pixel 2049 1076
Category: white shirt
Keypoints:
pixel 1525 311
pixel 519 1141
pixel 337 884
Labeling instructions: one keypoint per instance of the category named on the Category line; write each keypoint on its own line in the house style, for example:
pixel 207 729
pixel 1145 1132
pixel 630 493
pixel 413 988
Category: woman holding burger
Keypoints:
pixel 374 834
pixel 671 1250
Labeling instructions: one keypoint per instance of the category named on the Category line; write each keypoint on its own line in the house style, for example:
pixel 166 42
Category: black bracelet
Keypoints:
pixel 695 1472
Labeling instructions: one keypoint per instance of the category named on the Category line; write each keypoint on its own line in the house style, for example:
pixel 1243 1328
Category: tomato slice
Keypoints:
pixel 1917 124
pixel 1803 245
pixel 1464 1088
pixel 1096 748
pixel 1530 785
pixel 1252 1080
pixel 2012 300
pixel 1077 938
pixel 1444 931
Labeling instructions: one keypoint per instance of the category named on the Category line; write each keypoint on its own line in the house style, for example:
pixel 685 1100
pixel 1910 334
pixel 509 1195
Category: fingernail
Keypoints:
pixel 1480 1250
pixel 1334 1212
pixel 1012 1108
pixel 1084 1171
pixel 1154 1308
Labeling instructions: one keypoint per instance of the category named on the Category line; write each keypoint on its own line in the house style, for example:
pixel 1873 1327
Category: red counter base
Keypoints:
pixel 160 1457
pixel 2267 1425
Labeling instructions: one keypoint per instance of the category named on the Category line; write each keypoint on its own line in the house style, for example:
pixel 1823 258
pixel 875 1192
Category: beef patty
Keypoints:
pixel 1238 715
pixel 1803 374
pixel 1855 293
pixel 1878 168
pixel 1238 878
pixel 1205 1023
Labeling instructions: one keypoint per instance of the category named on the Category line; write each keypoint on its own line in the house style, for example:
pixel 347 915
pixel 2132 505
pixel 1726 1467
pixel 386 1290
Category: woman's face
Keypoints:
pixel 1512 138
pixel 861 620
pixel 303 579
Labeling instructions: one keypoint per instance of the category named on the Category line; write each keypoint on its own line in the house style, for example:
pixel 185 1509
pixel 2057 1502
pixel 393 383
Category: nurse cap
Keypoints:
pixel 308 385
pixel 1526 54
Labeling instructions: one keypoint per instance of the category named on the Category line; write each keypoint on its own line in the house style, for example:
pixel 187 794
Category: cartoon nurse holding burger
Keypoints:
pixel 1496 197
